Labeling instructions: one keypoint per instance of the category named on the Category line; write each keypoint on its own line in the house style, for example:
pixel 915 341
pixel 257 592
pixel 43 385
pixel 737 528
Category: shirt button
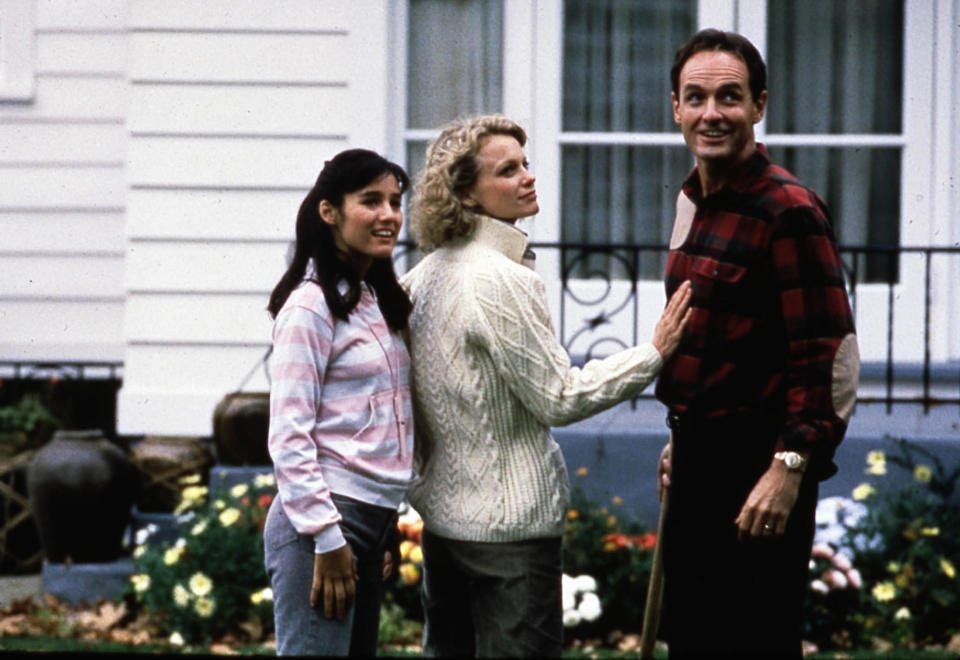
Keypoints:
pixel 715 272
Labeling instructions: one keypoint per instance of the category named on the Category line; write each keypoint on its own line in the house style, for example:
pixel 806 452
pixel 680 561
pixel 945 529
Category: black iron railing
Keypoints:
pixel 612 275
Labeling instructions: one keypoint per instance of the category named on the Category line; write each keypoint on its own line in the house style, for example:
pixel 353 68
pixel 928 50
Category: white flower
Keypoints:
pixel 264 480
pixel 181 596
pixel 176 639
pixel 141 582
pixel 239 490
pixel 902 614
pixel 142 535
pixel 139 551
pixel 589 607
pixel 200 584
pixel 181 543
pixel 229 516
pixel 571 618
pixel 569 600
pixel 204 607
pixel 199 528
pixel 584 583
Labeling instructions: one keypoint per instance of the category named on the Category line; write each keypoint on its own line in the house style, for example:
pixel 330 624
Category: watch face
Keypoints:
pixel 793 461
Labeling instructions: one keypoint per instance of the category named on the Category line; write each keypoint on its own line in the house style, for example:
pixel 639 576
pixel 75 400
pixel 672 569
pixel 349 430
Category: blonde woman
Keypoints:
pixel 490 378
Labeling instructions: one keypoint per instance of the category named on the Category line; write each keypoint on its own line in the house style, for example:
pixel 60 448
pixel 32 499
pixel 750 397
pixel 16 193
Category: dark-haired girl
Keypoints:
pixel 341 436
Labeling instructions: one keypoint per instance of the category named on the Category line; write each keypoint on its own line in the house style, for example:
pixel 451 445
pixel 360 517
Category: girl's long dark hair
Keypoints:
pixel 346 172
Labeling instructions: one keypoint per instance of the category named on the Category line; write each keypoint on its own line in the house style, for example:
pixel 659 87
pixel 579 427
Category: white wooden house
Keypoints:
pixel 153 154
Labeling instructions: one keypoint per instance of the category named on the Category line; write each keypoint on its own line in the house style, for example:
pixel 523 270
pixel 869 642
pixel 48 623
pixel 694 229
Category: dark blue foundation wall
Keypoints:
pixel 619 449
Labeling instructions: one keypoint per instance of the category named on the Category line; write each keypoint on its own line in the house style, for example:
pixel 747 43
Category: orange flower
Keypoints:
pixel 265 500
pixel 646 541
pixel 573 514
pixel 618 540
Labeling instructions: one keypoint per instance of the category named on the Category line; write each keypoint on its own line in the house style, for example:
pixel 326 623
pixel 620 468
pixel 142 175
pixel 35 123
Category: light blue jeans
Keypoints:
pixel 303 630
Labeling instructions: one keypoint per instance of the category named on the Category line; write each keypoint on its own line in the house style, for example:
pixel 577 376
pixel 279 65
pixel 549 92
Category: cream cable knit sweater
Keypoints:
pixel 490 379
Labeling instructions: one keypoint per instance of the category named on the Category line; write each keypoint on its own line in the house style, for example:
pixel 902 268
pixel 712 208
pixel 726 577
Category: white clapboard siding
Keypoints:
pixel 198 369
pixel 213 319
pixel 234 107
pixel 62 233
pixel 87 15
pixel 205 266
pixel 233 110
pixel 93 99
pixel 51 277
pixel 53 187
pixel 239 214
pixel 62 143
pixel 62 190
pixel 83 53
pixel 248 162
pixel 313 59
pixel 60 330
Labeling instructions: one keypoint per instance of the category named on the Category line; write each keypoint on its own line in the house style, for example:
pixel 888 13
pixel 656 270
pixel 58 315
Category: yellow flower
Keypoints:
pixel 200 584
pixel 416 555
pixel 893 567
pixel 239 490
pixel 930 531
pixel 947 568
pixel 863 491
pixel 194 493
pixel 189 479
pixel 181 596
pixel 141 582
pixel 409 574
pixel 405 547
pixel 610 546
pixel 264 480
pixel 877 461
pixel 172 555
pixel 219 505
pixel 229 516
pixel 617 500
pixel 582 471
pixel 923 473
pixel 138 551
pixel 573 514
pixel 902 581
pixel 884 591
pixel 199 528
pixel 902 614
pixel 611 521
pixel 204 607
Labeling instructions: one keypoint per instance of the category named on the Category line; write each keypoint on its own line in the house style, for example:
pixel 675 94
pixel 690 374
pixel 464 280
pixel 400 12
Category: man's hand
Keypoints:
pixel 769 504
pixel 334 576
pixel 663 472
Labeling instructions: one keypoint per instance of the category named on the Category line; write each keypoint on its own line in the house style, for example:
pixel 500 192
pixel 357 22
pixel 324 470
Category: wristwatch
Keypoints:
pixel 794 461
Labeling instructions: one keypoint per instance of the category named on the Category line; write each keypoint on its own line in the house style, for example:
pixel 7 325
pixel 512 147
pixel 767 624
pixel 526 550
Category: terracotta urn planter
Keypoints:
pixel 81 488
pixel 240 426
pixel 162 461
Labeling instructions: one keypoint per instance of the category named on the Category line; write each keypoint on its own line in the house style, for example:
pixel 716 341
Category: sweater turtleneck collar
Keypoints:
pixel 501 236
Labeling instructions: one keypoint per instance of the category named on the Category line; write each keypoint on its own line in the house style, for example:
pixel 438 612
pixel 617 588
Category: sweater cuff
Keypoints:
pixel 328 539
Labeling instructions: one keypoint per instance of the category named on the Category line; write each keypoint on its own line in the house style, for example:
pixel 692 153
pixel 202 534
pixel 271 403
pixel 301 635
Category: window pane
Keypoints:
pixel 621 194
pixel 862 189
pixel 616 62
pixel 835 67
pixel 455 60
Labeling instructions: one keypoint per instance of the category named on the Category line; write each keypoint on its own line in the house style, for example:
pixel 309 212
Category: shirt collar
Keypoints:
pixel 741 177
pixel 501 236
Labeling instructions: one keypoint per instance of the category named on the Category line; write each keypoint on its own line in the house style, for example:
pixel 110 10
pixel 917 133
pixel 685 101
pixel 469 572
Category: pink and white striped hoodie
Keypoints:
pixel 340 412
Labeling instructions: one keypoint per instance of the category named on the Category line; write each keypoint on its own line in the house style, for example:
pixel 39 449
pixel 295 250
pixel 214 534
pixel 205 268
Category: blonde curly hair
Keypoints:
pixel 437 213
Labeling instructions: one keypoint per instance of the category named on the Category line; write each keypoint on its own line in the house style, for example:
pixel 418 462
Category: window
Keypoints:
pixel 454 67
pixel 835 73
pixel 622 162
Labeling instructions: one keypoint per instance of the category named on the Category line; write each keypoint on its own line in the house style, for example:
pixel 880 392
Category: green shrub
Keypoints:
pixel 212 579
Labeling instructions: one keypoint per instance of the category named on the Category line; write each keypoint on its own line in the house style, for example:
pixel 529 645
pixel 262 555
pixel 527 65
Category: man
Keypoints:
pixel 763 383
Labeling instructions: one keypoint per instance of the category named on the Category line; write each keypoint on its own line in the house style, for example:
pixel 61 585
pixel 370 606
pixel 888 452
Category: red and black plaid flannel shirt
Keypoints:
pixel 770 308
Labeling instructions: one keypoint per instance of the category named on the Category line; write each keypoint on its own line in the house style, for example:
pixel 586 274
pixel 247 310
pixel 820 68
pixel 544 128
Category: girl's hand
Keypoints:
pixel 666 336
pixel 334 576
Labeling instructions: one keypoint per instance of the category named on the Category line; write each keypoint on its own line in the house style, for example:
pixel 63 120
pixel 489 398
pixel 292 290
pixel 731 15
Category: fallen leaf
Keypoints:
pixel 222 649
pixel 253 628
pixel 12 625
